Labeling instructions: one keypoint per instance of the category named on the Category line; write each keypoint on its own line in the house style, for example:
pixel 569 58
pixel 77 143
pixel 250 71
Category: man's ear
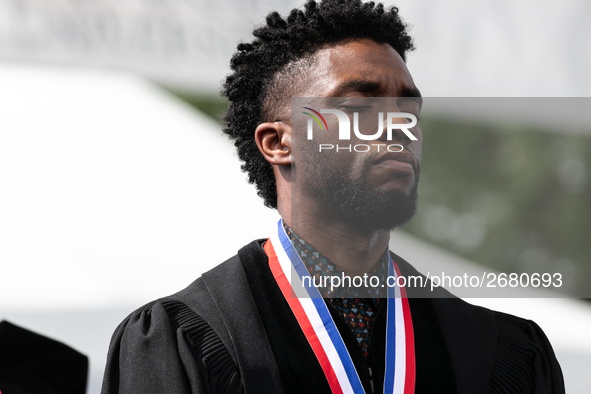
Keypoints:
pixel 274 142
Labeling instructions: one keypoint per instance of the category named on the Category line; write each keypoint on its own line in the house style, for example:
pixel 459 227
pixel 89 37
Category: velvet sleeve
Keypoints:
pixel 147 355
pixel 525 361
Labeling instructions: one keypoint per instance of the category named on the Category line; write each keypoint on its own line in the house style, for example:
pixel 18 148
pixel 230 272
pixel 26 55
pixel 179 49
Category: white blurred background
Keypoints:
pixel 114 192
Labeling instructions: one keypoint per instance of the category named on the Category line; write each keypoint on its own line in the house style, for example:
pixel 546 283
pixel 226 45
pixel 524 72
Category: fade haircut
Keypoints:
pixel 266 71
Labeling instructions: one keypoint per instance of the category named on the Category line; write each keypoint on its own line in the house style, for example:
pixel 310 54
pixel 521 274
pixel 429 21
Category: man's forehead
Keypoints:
pixel 358 67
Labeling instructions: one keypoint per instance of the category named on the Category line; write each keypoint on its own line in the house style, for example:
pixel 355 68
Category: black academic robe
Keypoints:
pixel 231 331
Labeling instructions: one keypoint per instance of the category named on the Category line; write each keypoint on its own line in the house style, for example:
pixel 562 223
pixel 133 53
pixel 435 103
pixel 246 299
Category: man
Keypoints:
pixel 239 328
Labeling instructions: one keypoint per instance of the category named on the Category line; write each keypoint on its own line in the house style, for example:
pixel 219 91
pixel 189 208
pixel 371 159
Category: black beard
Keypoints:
pixel 368 210
pixel 353 202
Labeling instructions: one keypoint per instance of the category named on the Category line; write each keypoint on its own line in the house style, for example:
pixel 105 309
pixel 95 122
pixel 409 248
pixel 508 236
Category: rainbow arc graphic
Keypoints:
pixel 316 117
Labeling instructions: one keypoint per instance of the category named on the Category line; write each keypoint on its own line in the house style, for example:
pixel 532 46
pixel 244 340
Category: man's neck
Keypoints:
pixel 352 250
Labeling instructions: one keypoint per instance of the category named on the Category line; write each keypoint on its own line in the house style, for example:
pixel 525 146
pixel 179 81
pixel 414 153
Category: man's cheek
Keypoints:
pixel 415 148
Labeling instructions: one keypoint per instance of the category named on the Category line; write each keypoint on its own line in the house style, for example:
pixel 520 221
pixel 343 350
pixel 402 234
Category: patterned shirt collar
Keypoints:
pixel 320 266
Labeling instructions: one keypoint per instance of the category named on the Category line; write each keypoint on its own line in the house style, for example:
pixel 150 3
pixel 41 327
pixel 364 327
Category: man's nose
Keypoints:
pixel 396 134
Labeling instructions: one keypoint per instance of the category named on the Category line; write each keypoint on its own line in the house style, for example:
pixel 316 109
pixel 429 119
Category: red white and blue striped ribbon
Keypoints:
pixel 316 322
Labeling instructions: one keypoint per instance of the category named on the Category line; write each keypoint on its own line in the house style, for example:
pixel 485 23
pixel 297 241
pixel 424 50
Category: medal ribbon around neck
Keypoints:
pixel 322 334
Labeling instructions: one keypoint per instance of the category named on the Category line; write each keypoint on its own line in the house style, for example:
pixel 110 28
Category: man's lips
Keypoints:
pixel 401 161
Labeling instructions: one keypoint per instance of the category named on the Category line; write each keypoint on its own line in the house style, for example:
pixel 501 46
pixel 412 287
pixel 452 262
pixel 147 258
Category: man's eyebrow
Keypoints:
pixel 356 85
pixel 410 92
pixel 368 86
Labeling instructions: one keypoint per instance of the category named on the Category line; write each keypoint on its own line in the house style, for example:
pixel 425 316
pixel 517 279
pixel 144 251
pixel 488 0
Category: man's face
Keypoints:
pixel 375 189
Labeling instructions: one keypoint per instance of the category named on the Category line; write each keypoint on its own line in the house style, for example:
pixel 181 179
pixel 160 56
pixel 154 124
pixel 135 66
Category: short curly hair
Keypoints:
pixel 279 44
